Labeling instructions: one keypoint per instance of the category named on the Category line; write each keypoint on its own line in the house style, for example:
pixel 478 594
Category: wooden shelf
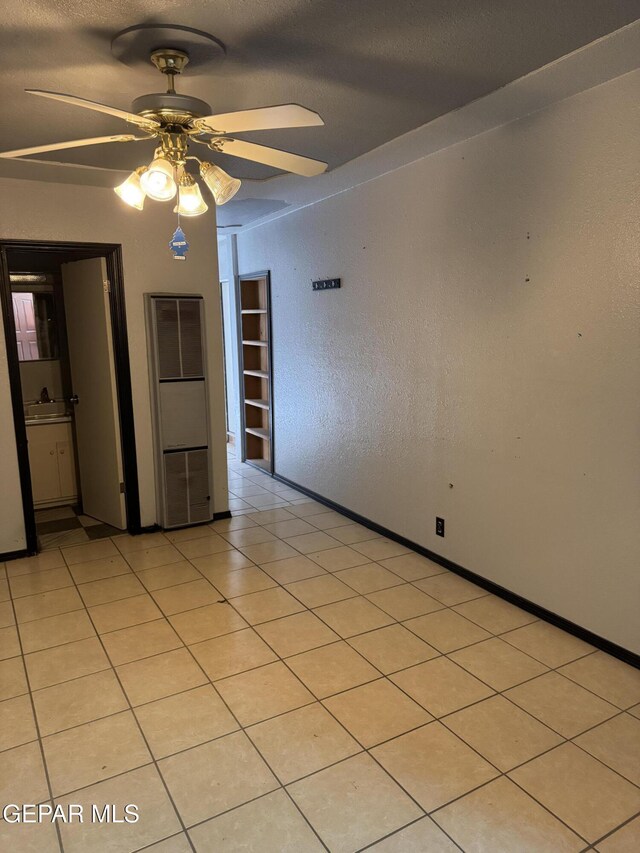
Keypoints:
pixel 259 431
pixel 254 347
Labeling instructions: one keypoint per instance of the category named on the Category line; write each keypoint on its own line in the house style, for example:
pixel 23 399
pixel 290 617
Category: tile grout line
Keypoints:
pixel 502 773
pixel 565 740
pixel 395 621
pixel 402 828
pixel 365 751
pixel 142 735
pixel 182 833
pixel 313 773
pixel 278 659
pixel 346 639
pixel 242 729
pixel 311 703
pixel 36 723
pixel 615 829
pixel 310 609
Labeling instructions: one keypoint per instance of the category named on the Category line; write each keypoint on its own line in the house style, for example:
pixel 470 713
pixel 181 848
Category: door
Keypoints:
pixel 25 320
pixel 88 318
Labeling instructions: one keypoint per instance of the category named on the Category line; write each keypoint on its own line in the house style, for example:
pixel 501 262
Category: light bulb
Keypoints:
pixel 190 201
pixel 158 181
pixel 130 191
pixel 223 187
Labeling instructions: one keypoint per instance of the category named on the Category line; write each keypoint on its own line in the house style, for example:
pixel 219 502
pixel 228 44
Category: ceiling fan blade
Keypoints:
pixel 147 123
pixel 74 143
pixel 265 118
pixel 56 163
pixel 270 156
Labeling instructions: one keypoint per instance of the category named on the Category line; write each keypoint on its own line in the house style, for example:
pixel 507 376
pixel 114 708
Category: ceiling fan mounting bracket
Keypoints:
pixel 169 61
pixel 136 44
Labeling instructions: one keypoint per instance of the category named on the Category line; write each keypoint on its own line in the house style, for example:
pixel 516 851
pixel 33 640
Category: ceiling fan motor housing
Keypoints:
pixel 170 108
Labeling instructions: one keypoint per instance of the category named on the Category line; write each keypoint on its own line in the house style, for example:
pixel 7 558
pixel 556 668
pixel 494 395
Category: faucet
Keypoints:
pixel 44 396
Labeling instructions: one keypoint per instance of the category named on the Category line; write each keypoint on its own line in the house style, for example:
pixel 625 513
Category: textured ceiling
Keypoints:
pixel 374 69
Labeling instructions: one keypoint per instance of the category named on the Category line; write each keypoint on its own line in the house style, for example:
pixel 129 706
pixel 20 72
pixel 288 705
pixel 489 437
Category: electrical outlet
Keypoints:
pixel 439 526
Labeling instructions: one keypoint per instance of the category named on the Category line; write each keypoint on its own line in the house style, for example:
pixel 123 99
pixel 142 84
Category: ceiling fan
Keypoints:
pixel 175 120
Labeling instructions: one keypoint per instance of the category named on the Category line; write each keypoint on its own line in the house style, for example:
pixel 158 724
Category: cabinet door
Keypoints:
pixel 66 469
pixel 43 462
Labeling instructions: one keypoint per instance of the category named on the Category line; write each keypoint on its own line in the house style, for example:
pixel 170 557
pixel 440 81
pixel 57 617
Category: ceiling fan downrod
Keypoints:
pixel 170 62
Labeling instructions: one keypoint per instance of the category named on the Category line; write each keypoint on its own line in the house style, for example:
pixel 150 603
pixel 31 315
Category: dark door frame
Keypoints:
pixel 112 253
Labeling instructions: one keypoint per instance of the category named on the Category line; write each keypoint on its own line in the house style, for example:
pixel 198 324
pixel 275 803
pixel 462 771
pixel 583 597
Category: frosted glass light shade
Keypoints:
pixel 158 181
pixel 130 191
pixel 190 201
pixel 223 187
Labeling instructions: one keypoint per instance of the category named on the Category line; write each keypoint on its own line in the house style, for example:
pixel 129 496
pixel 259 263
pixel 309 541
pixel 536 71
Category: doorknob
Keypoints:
pixel 74 399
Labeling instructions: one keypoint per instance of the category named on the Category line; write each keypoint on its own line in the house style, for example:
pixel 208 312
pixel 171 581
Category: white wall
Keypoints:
pixel 46 211
pixel 486 336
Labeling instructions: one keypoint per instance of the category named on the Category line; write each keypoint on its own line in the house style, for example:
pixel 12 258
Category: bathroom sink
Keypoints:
pixel 45 411
pixel 47 419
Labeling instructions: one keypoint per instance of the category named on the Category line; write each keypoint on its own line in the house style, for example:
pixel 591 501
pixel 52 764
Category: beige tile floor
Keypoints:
pixel 286 680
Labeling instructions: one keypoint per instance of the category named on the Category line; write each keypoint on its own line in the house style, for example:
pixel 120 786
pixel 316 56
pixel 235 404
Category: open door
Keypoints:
pixel 88 320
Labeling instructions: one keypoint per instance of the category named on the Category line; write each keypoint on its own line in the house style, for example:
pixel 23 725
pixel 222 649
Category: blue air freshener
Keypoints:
pixel 179 245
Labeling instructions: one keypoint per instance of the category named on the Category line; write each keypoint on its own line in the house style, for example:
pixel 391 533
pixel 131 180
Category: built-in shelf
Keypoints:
pixel 255 350
pixel 261 432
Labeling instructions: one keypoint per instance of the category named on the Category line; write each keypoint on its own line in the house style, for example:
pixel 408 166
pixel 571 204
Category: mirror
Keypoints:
pixel 34 311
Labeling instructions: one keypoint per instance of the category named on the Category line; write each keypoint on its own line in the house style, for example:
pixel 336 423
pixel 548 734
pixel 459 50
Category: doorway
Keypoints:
pixel 89 356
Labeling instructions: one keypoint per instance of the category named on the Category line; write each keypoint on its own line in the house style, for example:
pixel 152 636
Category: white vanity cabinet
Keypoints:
pixel 52 463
